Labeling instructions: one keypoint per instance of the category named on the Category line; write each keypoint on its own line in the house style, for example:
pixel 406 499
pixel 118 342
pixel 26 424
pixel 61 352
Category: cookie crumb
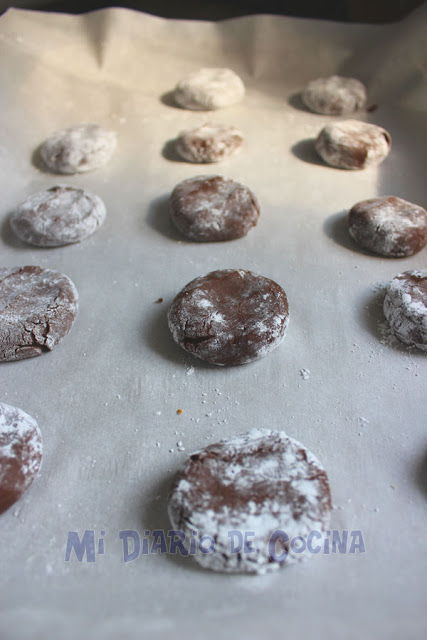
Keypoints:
pixel 159 300
pixel 179 411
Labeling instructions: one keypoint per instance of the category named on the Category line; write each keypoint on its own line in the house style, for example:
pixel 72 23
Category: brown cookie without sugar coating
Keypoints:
pixel 209 143
pixel 37 309
pixel 405 307
pixel 213 209
pixel 259 483
pixel 335 95
pixel 388 226
pixel 229 317
pixel 351 144
pixel 78 149
pixel 20 453
pixel 58 216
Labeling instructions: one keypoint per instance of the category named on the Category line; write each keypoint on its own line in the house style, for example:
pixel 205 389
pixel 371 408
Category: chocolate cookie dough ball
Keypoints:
pixel 213 209
pixel 335 95
pixel 261 483
pixel 209 143
pixel 351 144
pixel 389 226
pixel 20 453
pixel 58 216
pixel 208 89
pixel 229 317
pixel 80 148
pixel 405 307
pixel 37 309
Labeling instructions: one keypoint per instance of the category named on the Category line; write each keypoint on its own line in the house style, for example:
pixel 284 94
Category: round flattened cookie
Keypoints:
pixel 77 149
pixel 208 89
pixel 229 317
pixel 388 226
pixel 352 144
pixel 213 209
pixel 259 483
pixel 37 309
pixel 405 307
pixel 209 143
pixel 335 95
pixel 58 216
pixel 20 453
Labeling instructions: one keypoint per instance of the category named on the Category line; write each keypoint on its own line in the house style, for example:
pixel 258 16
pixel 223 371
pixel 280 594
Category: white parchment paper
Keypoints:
pixel 106 398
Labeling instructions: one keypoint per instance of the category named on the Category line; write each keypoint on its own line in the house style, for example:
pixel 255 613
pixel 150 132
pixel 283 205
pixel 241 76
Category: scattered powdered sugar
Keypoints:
pixel 204 303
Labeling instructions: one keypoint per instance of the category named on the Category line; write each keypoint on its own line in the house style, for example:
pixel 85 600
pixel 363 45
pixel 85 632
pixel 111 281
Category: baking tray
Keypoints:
pixel 106 398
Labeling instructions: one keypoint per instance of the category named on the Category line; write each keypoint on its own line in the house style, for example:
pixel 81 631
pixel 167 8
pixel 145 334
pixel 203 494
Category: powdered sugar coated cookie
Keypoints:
pixel 229 317
pixel 213 209
pixel 37 309
pixel 351 144
pixel 20 453
pixel 80 148
pixel 209 143
pixel 405 307
pixel 58 216
pixel 256 484
pixel 388 226
pixel 335 95
pixel 209 88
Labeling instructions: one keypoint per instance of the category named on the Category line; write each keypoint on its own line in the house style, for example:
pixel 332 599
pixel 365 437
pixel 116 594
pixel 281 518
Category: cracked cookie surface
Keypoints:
pixel 37 309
